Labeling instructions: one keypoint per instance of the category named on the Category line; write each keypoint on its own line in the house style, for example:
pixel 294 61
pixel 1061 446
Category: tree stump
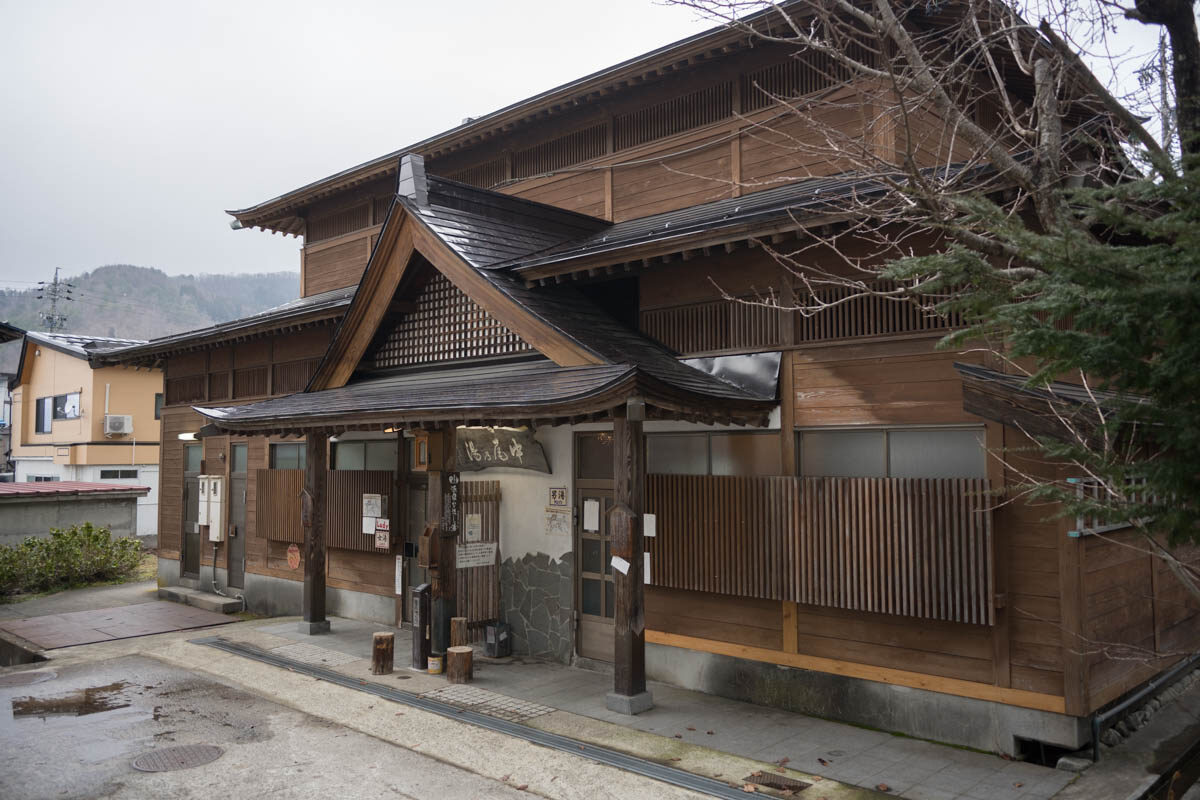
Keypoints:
pixel 383 646
pixel 459 664
pixel 458 632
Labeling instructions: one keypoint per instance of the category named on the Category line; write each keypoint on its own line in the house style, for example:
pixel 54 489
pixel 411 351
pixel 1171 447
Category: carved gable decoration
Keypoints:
pixel 446 325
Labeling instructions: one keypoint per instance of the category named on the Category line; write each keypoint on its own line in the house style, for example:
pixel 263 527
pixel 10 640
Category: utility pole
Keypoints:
pixel 54 291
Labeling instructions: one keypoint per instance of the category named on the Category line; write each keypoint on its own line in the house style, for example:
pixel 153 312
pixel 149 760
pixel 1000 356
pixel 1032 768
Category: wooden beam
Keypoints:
pixel 629 695
pixel 312 518
pixel 1021 698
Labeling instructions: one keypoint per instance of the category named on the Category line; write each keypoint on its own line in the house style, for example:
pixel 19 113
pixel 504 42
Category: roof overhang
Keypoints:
pixel 505 400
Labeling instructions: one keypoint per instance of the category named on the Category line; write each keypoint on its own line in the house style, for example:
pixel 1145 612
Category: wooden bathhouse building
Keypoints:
pixel 522 326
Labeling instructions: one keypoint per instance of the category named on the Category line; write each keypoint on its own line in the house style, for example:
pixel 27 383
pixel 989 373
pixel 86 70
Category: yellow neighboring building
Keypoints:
pixel 75 423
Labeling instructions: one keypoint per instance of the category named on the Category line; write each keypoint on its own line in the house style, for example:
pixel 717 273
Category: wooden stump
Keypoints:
pixel 458 664
pixel 458 632
pixel 383 646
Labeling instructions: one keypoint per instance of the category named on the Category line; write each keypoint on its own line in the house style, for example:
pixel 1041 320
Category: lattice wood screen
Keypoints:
pixel 565 150
pixel 336 224
pixel 674 116
pixel 485 175
pixel 447 326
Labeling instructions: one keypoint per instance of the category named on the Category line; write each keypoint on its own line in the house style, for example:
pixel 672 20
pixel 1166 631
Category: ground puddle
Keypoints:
pixel 79 703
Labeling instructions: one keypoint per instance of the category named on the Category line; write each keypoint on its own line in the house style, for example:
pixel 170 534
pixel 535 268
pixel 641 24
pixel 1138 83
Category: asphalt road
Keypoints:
pixel 76 735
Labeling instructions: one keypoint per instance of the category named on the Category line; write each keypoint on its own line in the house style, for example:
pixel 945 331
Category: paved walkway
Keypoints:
pixel 123 594
pixel 105 624
pixel 526 689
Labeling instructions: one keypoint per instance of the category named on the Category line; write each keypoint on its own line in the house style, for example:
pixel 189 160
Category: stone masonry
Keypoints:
pixel 536 596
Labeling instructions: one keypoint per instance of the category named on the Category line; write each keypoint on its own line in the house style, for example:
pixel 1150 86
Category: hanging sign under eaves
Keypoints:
pixel 481 448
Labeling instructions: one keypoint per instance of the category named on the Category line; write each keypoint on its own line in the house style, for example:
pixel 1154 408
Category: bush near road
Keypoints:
pixel 75 556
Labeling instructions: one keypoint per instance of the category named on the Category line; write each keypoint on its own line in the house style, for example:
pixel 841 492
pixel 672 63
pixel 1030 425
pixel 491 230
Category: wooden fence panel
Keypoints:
pixel 918 547
pixel 277 506
pixel 479 587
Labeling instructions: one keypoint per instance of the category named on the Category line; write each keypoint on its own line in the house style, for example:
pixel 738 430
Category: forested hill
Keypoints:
pixel 142 303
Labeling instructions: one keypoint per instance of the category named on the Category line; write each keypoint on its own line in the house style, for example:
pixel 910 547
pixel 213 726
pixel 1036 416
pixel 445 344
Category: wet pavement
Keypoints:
pixel 105 624
pixel 77 734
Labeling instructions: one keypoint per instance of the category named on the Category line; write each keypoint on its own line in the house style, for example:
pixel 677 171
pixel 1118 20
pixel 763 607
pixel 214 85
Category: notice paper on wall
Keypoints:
pixel 372 505
pixel 473 532
pixel 620 565
pixel 591 515
pixel 383 533
pixel 646 568
pixel 648 525
pixel 369 525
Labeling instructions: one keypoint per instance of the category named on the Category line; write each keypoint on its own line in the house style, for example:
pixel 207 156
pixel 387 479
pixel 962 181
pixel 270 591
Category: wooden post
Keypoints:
pixel 312 518
pixel 443 500
pixel 459 667
pixel 629 695
pixel 383 646
pixel 458 631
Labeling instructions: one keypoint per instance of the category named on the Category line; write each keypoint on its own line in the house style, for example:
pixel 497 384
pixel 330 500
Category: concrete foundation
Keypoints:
pixel 628 704
pixel 914 712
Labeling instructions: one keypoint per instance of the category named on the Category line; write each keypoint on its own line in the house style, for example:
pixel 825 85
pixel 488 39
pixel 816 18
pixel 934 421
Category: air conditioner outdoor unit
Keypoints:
pixel 118 424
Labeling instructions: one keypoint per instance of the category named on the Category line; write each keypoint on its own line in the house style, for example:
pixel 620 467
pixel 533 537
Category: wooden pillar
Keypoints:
pixel 312 518
pixel 629 695
pixel 443 500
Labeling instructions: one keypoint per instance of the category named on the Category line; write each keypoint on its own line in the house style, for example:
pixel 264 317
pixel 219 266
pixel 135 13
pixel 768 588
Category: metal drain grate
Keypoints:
pixel 26 678
pixel 772 781
pixel 172 758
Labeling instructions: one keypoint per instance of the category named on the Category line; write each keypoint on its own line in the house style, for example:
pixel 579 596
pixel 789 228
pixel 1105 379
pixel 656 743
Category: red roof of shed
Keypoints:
pixel 47 488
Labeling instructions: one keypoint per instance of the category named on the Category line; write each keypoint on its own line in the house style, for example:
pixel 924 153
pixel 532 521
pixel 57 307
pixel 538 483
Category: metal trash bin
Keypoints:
pixel 420 627
pixel 497 640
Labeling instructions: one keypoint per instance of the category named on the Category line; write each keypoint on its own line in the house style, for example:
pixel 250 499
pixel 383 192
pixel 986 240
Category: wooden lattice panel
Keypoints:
pixel 446 326
pixel 673 116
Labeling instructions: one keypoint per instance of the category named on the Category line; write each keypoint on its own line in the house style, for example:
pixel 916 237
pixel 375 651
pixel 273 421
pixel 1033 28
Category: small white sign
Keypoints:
pixel 646 569
pixel 620 565
pixel 474 530
pixel 476 554
pixel 383 535
pixel 591 515
pixel 369 524
pixel 400 575
pixel 648 525
pixel 372 505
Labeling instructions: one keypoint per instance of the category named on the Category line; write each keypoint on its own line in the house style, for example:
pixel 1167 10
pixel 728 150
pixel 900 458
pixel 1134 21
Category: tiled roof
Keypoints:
pixel 48 488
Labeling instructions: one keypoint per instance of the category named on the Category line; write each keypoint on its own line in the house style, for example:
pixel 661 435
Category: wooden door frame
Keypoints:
pixel 577 485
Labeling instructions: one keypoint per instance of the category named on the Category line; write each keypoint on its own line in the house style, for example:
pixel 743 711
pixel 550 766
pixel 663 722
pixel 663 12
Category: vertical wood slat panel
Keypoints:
pixel 909 546
pixel 277 506
pixel 479 587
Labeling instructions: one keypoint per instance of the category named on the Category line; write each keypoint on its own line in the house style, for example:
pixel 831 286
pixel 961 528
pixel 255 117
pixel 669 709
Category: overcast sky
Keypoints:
pixel 130 126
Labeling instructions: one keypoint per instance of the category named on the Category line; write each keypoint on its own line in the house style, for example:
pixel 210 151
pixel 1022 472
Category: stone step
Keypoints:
pixel 204 600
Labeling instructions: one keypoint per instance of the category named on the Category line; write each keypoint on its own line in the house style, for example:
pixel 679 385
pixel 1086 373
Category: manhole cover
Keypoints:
pixel 776 781
pixel 27 677
pixel 169 758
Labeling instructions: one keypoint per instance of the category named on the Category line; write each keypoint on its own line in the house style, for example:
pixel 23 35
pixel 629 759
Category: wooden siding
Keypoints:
pixel 742 620
pixel 336 263
pixel 903 382
pixel 906 546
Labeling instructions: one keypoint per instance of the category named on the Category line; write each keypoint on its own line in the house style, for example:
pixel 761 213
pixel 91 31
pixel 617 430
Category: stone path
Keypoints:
pixel 52 631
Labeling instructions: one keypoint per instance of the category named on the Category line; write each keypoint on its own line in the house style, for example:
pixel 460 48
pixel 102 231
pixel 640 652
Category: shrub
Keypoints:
pixel 77 555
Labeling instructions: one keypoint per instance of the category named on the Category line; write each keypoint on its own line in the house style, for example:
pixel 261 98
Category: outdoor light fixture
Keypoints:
pixel 187 437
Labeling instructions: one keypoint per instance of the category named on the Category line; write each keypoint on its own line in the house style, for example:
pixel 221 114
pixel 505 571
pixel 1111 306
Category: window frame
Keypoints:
pixel 886 430
pixel 708 449
pixel 275 447
pixel 159 399
pixel 120 476
pixel 43 417
pixel 65 399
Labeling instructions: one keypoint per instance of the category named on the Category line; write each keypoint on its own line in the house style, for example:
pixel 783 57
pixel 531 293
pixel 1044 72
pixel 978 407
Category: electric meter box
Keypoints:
pixel 212 506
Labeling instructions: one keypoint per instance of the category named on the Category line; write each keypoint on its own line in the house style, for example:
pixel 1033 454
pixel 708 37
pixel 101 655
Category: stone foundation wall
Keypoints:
pixel 536 598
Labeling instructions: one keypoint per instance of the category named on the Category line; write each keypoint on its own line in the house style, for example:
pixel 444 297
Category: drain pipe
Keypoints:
pixel 1101 720
pixel 216 589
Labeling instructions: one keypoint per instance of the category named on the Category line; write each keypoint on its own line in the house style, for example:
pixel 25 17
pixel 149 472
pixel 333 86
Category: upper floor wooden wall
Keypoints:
pixel 707 133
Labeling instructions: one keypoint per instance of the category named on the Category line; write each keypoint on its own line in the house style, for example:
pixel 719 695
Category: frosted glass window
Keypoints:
pixel 237 458
pixel 936 454
pixel 670 454
pixel 288 456
pixel 745 454
pixel 192 453
pixel 843 454
pixel 348 455
pixel 381 455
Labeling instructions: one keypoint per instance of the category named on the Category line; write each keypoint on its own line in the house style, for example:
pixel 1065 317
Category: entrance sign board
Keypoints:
pixel 480 448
